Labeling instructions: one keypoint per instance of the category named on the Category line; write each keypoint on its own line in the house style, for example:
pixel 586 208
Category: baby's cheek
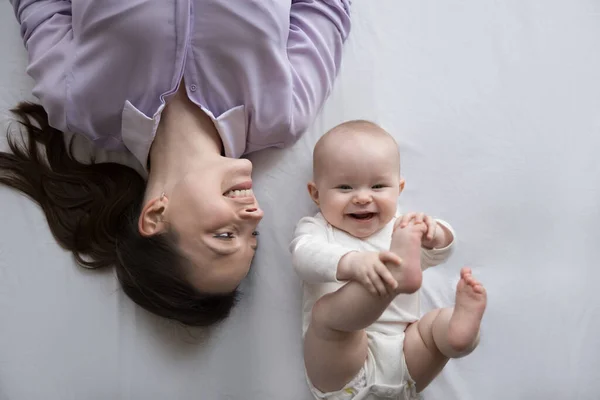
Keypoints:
pixel 330 209
pixel 390 205
pixel 334 203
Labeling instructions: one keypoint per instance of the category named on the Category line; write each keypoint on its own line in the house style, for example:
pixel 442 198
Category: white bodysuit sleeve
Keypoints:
pixel 314 257
pixel 433 257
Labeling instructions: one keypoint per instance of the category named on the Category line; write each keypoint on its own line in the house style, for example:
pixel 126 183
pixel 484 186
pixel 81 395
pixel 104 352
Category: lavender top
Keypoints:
pixel 261 69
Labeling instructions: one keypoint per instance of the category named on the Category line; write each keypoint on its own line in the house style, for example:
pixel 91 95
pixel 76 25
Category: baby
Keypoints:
pixel 361 263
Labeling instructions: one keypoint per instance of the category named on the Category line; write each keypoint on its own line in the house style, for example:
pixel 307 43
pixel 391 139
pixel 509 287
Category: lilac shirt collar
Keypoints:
pixel 138 131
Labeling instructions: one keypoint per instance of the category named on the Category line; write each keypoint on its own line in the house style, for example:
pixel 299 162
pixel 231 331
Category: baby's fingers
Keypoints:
pixel 406 218
pixel 387 277
pixel 368 284
pixel 378 283
pixel 390 257
pixel 431 227
pixel 419 218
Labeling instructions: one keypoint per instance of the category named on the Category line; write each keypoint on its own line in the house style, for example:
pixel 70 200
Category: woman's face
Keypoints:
pixel 215 214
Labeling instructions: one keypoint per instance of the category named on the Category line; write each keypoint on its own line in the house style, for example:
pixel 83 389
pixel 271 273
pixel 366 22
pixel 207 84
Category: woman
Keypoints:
pixel 187 87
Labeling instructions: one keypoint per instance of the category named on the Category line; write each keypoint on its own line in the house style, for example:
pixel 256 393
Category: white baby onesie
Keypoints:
pixel 316 250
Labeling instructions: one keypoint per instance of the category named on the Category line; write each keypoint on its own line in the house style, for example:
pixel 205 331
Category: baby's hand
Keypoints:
pixel 428 225
pixel 369 269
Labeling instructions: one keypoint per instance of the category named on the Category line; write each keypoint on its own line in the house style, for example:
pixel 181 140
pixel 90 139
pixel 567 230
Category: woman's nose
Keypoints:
pixel 253 213
pixel 243 165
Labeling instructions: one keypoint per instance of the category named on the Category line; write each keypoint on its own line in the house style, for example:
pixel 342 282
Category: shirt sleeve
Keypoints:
pixel 433 257
pixel 314 257
pixel 46 29
pixel 318 30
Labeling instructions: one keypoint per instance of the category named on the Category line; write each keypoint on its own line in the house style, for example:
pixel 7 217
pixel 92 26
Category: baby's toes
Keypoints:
pixel 479 289
pixel 471 281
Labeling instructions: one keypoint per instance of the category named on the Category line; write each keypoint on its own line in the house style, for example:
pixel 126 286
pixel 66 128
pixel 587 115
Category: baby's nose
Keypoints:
pixel 363 198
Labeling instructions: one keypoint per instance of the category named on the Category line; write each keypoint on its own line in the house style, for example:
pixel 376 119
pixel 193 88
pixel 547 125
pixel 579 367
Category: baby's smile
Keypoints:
pixel 363 216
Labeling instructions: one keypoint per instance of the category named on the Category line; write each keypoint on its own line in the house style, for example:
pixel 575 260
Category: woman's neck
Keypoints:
pixel 185 139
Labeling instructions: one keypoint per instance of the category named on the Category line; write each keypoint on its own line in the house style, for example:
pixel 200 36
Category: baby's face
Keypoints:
pixel 358 186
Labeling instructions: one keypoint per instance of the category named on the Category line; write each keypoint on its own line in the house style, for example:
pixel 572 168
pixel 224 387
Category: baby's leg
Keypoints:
pixel 335 344
pixel 445 333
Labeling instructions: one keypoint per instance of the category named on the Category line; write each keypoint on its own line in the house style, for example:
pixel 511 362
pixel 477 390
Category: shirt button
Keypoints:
pixel 193 88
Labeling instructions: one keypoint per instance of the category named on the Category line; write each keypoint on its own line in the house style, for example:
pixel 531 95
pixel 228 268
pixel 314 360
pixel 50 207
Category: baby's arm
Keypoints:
pixel 439 249
pixel 443 236
pixel 317 260
pixel 314 257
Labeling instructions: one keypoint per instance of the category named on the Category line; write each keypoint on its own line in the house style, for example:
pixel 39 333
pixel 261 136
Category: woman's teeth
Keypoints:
pixel 239 193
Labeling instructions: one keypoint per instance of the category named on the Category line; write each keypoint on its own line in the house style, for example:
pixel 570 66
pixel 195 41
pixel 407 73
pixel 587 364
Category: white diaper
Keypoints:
pixel 384 375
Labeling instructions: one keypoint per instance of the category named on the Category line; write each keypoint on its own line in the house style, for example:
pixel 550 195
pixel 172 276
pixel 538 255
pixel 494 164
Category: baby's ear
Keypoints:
pixel 313 192
pixel 402 183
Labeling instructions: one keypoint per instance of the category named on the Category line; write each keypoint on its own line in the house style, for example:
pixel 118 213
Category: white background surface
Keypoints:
pixel 496 107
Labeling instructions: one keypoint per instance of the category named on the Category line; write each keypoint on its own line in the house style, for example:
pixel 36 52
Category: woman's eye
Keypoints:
pixel 255 233
pixel 344 187
pixel 225 235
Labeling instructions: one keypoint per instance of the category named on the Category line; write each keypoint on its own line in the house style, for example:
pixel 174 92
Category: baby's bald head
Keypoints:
pixel 357 134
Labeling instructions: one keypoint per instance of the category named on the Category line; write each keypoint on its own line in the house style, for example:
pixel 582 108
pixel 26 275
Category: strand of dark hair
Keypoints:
pixel 84 204
pixel 93 209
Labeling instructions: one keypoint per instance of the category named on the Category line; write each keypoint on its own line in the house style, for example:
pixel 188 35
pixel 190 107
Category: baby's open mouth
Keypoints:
pixel 362 216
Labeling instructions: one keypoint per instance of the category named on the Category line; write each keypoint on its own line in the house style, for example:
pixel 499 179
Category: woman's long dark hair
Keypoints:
pixel 93 211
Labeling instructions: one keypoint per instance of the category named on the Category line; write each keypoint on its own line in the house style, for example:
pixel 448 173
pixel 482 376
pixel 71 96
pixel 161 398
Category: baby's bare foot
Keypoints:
pixel 471 299
pixel 406 243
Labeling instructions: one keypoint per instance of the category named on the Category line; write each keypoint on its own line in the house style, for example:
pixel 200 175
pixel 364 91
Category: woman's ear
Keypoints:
pixel 151 219
pixel 313 192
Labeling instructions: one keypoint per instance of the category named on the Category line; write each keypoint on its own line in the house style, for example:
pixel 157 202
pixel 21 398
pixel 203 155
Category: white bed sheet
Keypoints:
pixel 496 107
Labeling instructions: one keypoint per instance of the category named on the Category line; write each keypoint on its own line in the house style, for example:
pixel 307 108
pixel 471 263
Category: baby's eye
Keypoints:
pixel 379 186
pixel 224 235
pixel 255 233
pixel 344 187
